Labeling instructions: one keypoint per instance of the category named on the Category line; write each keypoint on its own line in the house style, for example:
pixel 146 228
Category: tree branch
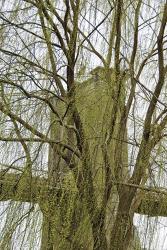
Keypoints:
pixel 11 188
pixel 34 131
pixel 153 203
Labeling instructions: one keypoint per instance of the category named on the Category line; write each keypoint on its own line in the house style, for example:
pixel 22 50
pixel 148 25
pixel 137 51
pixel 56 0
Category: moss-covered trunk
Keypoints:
pixel 84 209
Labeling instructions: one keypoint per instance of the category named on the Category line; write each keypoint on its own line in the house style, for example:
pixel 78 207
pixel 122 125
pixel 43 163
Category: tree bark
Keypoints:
pixel 14 187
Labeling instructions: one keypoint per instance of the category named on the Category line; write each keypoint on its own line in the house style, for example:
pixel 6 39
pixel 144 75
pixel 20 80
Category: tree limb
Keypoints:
pixel 10 188
pixel 153 203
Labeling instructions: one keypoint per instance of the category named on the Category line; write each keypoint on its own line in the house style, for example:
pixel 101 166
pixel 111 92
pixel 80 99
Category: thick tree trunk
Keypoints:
pixel 122 232
pixel 65 225
pixel 52 239
pixel 46 241
pixel 98 230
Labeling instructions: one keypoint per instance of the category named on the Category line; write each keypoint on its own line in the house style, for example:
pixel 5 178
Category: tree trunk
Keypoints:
pixel 66 224
pixel 98 229
pixel 122 231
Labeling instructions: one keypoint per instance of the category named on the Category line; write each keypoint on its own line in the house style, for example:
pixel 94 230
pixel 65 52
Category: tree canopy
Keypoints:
pixel 83 122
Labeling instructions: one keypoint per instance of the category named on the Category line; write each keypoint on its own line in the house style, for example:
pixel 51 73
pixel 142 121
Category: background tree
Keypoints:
pixel 83 121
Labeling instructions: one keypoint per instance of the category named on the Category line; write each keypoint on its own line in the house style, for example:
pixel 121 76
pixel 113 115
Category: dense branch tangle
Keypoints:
pixel 71 123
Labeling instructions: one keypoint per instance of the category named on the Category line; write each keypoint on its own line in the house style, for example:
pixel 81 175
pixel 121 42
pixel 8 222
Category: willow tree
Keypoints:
pixel 83 121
